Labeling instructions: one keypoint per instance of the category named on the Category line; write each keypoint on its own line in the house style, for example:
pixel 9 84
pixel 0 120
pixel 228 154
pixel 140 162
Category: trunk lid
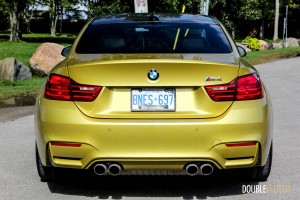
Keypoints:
pixel 119 77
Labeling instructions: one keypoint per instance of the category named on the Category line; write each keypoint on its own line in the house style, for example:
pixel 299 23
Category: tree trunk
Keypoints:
pixel 233 33
pixel 53 26
pixel 53 16
pixel 14 22
pixel 27 19
pixel 61 19
pixel 262 29
pixel 262 26
pixel 275 36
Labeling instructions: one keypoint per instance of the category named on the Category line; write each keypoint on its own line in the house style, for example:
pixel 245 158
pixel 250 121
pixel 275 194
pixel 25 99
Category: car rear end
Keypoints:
pixel 153 97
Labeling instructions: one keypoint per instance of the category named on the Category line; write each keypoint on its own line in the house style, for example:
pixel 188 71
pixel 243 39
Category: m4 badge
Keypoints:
pixel 213 79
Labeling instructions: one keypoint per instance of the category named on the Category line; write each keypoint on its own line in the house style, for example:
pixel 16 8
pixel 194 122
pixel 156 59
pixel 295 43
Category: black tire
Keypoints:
pixel 262 173
pixel 46 173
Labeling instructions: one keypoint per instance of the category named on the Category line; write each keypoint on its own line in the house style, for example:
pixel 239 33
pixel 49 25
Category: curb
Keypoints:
pixel 18 101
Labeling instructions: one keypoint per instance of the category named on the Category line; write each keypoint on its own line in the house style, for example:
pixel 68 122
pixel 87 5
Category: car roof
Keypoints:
pixel 150 17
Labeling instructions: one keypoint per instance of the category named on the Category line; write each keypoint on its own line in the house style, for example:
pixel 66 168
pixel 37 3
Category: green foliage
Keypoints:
pixel 258 57
pixel 252 43
pixel 97 8
pixel 4 15
pixel 170 6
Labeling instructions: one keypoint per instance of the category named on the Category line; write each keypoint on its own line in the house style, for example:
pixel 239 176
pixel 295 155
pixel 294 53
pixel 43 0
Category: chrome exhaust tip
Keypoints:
pixel 206 169
pixel 114 169
pixel 100 169
pixel 192 169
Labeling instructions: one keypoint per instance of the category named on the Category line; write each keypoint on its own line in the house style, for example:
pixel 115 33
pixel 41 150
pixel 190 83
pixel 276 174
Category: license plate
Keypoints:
pixel 153 99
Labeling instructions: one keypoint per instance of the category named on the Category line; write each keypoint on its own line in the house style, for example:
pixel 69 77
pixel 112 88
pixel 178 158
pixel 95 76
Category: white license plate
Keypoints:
pixel 153 99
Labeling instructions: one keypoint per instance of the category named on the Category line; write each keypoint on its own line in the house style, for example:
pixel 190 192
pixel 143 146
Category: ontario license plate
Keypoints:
pixel 153 99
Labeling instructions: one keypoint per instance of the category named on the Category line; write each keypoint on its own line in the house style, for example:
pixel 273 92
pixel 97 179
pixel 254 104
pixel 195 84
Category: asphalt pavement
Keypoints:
pixel 15 112
pixel 19 179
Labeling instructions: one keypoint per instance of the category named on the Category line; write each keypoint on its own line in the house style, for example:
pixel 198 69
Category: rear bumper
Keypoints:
pixel 153 144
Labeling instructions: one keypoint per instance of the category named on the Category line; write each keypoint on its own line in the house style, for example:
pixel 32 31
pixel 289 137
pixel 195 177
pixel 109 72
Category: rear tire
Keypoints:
pixel 262 173
pixel 46 173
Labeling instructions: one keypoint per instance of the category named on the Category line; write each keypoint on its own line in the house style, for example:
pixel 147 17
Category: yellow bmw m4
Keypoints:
pixel 154 94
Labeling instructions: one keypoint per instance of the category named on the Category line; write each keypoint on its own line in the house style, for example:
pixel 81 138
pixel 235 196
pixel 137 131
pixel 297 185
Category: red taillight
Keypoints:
pixel 58 88
pixel 224 92
pixel 249 87
pixel 63 88
pixel 246 87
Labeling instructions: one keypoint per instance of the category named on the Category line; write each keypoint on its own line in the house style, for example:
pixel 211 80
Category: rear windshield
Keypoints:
pixel 153 38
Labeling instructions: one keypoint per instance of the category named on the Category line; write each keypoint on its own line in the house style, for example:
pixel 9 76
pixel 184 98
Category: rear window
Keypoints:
pixel 153 38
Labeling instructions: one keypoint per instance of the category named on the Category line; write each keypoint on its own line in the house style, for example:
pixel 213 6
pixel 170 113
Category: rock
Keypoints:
pixel 244 46
pixel 18 101
pixel 270 45
pixel 45 58
pixel 23 72
pixel 263 45
pixel 7 69
pixel 277 45
pixel 292 42
pixel 11 70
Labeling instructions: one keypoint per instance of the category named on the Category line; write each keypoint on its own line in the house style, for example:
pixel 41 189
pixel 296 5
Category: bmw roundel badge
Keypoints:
pixel 153 74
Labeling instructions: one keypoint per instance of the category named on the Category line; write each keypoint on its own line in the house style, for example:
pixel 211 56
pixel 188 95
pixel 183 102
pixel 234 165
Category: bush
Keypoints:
pixel 252 43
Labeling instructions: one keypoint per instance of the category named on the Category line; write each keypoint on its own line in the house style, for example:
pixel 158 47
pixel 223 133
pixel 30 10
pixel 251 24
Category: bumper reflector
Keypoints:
pixel 65 144
pixel 241 144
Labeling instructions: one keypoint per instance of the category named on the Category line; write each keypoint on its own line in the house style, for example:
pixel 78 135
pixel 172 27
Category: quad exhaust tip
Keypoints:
pixel 100 169
pixel 192 169
pixel 204 169
pixel 114 169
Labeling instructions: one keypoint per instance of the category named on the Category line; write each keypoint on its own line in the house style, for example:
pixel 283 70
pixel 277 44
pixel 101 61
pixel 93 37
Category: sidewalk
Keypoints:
pixel 15 112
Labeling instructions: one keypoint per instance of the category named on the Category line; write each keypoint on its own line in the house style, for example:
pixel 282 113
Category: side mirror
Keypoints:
pixel 242 51
pixel 65 51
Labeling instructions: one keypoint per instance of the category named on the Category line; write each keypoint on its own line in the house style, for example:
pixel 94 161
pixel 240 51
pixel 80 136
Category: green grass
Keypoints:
pixel 23 51
pixel 258 57
pixel 19 88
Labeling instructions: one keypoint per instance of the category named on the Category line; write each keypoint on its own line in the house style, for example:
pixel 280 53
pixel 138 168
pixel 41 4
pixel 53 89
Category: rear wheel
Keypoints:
pixel 262 173
pixel 46 173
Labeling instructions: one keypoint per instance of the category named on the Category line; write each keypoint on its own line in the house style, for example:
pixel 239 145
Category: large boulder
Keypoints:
pixel 292 42
pixel 263 45
pixel 278 45
pixel 12 70
pixel 45 58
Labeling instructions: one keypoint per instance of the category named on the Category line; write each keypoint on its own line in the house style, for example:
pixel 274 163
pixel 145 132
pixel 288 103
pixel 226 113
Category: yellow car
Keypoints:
pixel 154 94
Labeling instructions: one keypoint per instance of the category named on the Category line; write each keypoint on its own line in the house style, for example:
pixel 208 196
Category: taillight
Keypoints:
pixel 223 92
pixel 63 88
pixel 246 87
pixel 58 88
pixel 249 87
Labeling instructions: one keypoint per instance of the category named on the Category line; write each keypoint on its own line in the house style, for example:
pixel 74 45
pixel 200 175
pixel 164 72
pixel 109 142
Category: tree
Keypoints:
pixel 105 7
pixel 4 15
pixel 17 10
pixel 54 6
pixel 56 11
pixel 275 36
pixel 14 11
